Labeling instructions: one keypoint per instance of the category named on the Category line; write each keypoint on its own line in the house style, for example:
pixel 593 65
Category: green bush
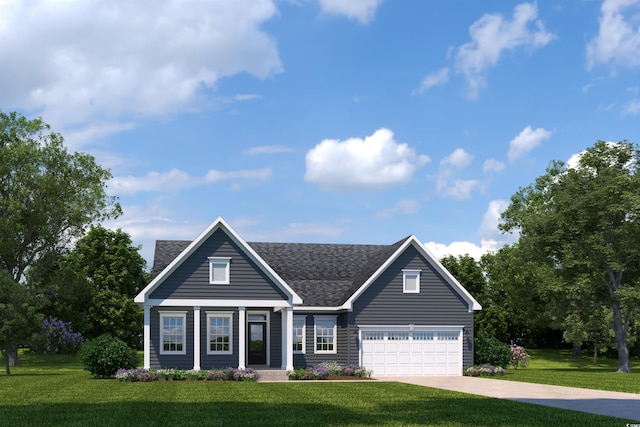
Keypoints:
pixel 490 351
pixel 104 355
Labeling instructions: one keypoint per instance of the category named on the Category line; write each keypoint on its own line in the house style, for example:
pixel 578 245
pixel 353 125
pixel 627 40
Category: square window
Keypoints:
pixel 325 334
pixel 411 281
pixel 219 271
pixel 299 335
pixel 172 333
pixel 219 333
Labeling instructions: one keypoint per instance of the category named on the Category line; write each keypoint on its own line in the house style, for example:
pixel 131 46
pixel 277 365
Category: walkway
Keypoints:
pixel 610 403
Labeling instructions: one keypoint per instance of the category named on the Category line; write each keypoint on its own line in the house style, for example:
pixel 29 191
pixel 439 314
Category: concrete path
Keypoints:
pixel 610 403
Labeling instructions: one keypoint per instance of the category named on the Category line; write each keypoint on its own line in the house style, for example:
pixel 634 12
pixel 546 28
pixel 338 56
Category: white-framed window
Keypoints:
pixel 411 281
pixel 219 270
pixel 325 334
pixel 173 336
pixel 219 332
pixel 299 334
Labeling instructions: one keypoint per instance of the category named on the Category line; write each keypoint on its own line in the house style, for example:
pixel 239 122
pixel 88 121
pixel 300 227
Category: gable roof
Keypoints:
pixel 322 275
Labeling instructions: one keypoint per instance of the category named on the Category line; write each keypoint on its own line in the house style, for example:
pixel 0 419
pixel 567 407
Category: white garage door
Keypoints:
pixel 407 352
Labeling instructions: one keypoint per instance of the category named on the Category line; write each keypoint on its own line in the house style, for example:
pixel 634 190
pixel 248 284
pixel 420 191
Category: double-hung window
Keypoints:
pixel 219 333
pixel 172 332
pixel 411 281
pixel 325 328
pixel 299 336
pixel 219 270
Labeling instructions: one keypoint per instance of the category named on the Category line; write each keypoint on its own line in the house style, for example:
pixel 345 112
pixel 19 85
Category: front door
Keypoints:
pixel 257 343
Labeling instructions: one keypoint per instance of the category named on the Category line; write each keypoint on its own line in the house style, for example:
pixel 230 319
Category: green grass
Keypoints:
pixel 56 391
pixel 558 368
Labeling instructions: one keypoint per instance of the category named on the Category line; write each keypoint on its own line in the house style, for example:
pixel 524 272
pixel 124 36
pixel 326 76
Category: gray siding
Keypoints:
pixel 170 361
pixel 437 304
pixel 310 357
pixel 275 338
pixel 191 279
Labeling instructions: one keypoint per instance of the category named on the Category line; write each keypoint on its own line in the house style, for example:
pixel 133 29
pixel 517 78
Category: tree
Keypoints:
pixel 586 220
pixel 19 314
pixel 48 196
pixel 95 284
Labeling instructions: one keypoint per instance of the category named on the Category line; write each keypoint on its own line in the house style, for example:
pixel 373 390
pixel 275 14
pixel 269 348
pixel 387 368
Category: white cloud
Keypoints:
pixel 618 39
pixel 492 165
pixel 360 10
pixel 176 179
pixel 406 206
pixel 373 163
pixel 78 62
pixel 631 108
pixel 526 141
pixel 269 149
pixel 436 78
pixel 492 35
pixel 448 184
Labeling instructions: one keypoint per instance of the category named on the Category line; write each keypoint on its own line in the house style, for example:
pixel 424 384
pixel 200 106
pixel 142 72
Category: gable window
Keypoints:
pixel 325 334
pixel 172 332
pixel 219 270
pixel 411 281
pixel 299 335
pixel 219 332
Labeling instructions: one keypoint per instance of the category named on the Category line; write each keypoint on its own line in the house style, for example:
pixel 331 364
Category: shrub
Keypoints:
pixel 356 371
pixel 490 351
pixel 220 374
pixel 56 336
pixel 519 357
pixel 324 370
pixel 334 368
pixel 103 356
pixel 484 371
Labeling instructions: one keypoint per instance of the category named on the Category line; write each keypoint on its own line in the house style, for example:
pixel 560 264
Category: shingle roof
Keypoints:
pixel 321 274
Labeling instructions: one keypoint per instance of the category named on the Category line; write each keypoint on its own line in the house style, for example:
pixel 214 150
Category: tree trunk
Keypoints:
pixel 621 339
pixel 12 357
pixel 595 352
pixel 576 352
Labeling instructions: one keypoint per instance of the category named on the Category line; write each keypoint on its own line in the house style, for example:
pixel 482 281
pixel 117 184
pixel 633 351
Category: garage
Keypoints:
pixel 411 350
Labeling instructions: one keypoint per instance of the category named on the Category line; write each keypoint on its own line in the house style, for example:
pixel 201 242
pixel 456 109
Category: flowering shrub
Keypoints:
pixel 246 374
pixel 227 374
pixel 56 336
pixel 133 375
pixel 334 368
pixel 325 370
pixel 484 371
pixel 164 374
pixel 356 371
pixel 519 357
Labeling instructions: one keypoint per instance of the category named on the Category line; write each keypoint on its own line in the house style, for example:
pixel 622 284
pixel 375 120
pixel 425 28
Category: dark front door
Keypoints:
pixel 257 344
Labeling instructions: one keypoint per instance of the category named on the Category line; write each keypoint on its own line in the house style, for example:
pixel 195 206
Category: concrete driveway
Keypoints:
pixel 610 403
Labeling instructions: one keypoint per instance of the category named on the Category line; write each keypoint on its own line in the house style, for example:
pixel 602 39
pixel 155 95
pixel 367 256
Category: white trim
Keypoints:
pixel 319 309
pixel 473 305
pixel 218 303
pixel 303 319
pixel 226 262
pixel 406 273
pixel 197 338
pixel 177 314
pixel 334 319
pixel 242 337
pixel 219 314
pixel 219 223
pixel 146 332
pixel 267 322
pixel 287 350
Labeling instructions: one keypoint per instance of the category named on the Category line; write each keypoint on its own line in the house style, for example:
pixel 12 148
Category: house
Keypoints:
pixel 219 301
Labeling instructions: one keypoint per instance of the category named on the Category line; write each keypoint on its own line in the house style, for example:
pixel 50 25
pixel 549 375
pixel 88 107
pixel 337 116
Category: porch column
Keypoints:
pixel 287 332
pixel 196 338
pixel 242 337
pixel 146 334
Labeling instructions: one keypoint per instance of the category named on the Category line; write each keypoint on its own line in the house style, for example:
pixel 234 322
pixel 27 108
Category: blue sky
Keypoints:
pixel 346 121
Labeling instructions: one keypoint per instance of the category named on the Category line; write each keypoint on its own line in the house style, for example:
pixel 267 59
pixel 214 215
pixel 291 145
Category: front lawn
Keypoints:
pixel 56 391
pixel 558 368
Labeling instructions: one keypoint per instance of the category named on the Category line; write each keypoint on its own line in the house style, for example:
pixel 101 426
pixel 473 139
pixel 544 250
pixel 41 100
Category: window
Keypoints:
pixel 219 271
pixel 219 333
pixel 398 336
pixel 299 329
pixel 373 336
pixel 172 332
pixel 411 281
pixel 423 336
pixel 448 336
pixel 325 334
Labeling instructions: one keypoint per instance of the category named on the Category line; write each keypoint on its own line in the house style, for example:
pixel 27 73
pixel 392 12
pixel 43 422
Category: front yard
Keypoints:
pixel 56 391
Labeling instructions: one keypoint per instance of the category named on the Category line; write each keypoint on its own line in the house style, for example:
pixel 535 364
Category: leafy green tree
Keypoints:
pixel 20 317
pixel 48 196
pixel 586 220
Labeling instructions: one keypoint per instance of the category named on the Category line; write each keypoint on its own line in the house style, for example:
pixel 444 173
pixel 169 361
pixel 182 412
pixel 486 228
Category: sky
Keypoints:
pixel 329 121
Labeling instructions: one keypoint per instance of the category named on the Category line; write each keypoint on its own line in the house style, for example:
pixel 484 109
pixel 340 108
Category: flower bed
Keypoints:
pixel 145 375
pixel 484 371
pixel 329 370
